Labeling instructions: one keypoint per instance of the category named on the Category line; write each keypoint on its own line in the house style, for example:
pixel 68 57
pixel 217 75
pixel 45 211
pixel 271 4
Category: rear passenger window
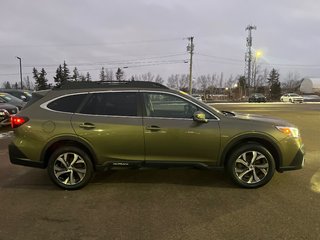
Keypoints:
pixel 112 103
pixel 68 103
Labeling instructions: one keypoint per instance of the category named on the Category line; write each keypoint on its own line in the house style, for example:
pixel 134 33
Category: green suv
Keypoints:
pixel 82 127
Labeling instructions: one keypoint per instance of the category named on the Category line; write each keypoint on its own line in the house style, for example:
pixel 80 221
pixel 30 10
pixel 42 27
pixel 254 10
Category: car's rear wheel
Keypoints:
pixel 251 166
pixel 70 168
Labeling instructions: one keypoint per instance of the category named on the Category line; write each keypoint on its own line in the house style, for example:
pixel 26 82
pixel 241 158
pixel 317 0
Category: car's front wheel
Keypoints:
pixel 70 168
pixel 251 165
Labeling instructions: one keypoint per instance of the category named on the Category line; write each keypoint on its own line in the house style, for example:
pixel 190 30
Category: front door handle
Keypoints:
pixel 87 125
pixel 153 128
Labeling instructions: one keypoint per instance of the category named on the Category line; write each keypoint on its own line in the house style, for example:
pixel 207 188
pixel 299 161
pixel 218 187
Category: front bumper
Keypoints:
pixel 297 162
pixel 297 100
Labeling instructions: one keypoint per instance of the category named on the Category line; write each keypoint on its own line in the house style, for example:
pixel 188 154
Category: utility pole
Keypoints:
pixel 20 72
pixel 190 49
pixel 248 59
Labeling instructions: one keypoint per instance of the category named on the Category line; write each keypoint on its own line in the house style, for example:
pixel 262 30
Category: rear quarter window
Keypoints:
pixel 112 104
pixel 67 104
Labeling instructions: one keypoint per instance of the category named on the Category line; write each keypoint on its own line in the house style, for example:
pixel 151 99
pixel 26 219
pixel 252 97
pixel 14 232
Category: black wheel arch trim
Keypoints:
pixel 250 138
pixel 72 139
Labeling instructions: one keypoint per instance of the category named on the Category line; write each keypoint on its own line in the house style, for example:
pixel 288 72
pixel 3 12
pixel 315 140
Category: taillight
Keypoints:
pixel 17 121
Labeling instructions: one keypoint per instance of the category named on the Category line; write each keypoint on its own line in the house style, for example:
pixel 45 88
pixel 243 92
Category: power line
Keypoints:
pixel 217 57
pixel 95 44
pixel 221 62
pixel 98 63
pixel 114 66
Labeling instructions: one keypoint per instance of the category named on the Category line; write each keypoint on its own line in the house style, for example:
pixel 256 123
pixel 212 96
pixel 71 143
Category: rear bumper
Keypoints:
pixel 17 157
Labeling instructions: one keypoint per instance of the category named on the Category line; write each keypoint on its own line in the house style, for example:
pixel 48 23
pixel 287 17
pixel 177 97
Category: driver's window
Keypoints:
pixel 168 106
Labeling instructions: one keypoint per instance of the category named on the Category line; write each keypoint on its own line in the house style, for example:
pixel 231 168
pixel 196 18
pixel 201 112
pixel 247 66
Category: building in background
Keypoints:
pixel 310 86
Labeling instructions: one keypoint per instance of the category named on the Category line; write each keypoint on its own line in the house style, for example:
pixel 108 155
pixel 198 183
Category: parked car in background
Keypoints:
pixel 291 97
pixel 257 97
pixel 6 111
pixel 197 96
pixel 81 127
pixel 12 100
pixel 24 95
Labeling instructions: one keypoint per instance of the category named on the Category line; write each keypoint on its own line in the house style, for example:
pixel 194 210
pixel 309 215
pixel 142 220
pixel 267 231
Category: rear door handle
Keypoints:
pixel 153 128
pixel 87 125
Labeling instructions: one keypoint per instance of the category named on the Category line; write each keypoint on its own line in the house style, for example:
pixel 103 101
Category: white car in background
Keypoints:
pixel 291 97
pixel 198 97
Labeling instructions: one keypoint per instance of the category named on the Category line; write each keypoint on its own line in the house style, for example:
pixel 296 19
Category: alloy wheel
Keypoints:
pixel 69 168
pixel 251 167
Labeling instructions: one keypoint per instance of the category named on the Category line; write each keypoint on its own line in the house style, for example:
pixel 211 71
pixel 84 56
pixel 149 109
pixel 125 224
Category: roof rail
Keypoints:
pixel 108 84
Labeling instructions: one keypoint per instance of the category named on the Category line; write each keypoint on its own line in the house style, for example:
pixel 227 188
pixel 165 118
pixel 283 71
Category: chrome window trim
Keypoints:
pixel 112 116
pixel 177 95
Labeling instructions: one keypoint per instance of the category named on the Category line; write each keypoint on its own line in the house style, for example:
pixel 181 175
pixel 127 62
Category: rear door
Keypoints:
pixel 111 123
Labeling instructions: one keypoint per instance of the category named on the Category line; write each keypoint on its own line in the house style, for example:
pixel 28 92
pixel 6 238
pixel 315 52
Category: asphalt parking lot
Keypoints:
pixel 168 204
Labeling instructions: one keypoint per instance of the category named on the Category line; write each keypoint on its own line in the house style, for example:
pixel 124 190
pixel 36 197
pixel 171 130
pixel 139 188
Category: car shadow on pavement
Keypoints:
pixel 38 178
pixel 28 178
pixel 187 177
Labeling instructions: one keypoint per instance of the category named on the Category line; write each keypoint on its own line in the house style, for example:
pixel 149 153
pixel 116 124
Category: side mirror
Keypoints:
pixel 200 117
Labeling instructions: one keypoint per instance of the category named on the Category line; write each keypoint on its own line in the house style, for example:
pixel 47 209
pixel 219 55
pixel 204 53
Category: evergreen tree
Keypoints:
pixel 88 77
pixel 40 79
pixel 58 79
pixel 102 75
pixel 62 74
pixel 274 84
pixel 119 75
pixel 76 75
pixel 7 85
pixel 65 72
pixel 42 83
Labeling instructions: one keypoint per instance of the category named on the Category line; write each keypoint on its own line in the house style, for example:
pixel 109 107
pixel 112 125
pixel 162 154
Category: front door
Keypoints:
pixel 171 134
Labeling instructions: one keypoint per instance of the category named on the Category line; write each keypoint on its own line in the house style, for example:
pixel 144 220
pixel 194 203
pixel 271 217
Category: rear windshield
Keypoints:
pixel 35 97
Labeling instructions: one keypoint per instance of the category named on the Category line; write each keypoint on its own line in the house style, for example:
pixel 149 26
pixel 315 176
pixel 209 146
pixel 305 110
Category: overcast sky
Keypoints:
pixel 151 36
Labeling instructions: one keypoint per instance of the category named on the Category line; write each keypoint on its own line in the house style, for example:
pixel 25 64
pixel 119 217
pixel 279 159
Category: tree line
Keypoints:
pixel 264 82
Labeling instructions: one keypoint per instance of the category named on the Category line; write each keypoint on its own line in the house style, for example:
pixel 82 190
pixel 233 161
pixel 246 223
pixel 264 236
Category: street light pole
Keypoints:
pixel 20 72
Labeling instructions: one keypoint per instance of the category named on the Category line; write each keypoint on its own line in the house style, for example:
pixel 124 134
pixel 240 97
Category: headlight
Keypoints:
pixel 290 131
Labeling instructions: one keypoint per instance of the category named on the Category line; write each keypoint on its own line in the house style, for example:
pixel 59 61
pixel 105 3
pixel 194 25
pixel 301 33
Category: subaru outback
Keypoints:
pixel 82 127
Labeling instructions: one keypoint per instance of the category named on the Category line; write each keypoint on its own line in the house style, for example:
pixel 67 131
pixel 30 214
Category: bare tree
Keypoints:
pixel 183 82
pixel 109 76
pixel 292 82
pixel 159 79
pixel 203 83
pixel 173 81
pixel 148 77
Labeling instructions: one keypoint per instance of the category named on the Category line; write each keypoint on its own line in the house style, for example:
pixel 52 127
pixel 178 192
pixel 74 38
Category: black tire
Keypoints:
pixel 70 168
pixel 251 166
